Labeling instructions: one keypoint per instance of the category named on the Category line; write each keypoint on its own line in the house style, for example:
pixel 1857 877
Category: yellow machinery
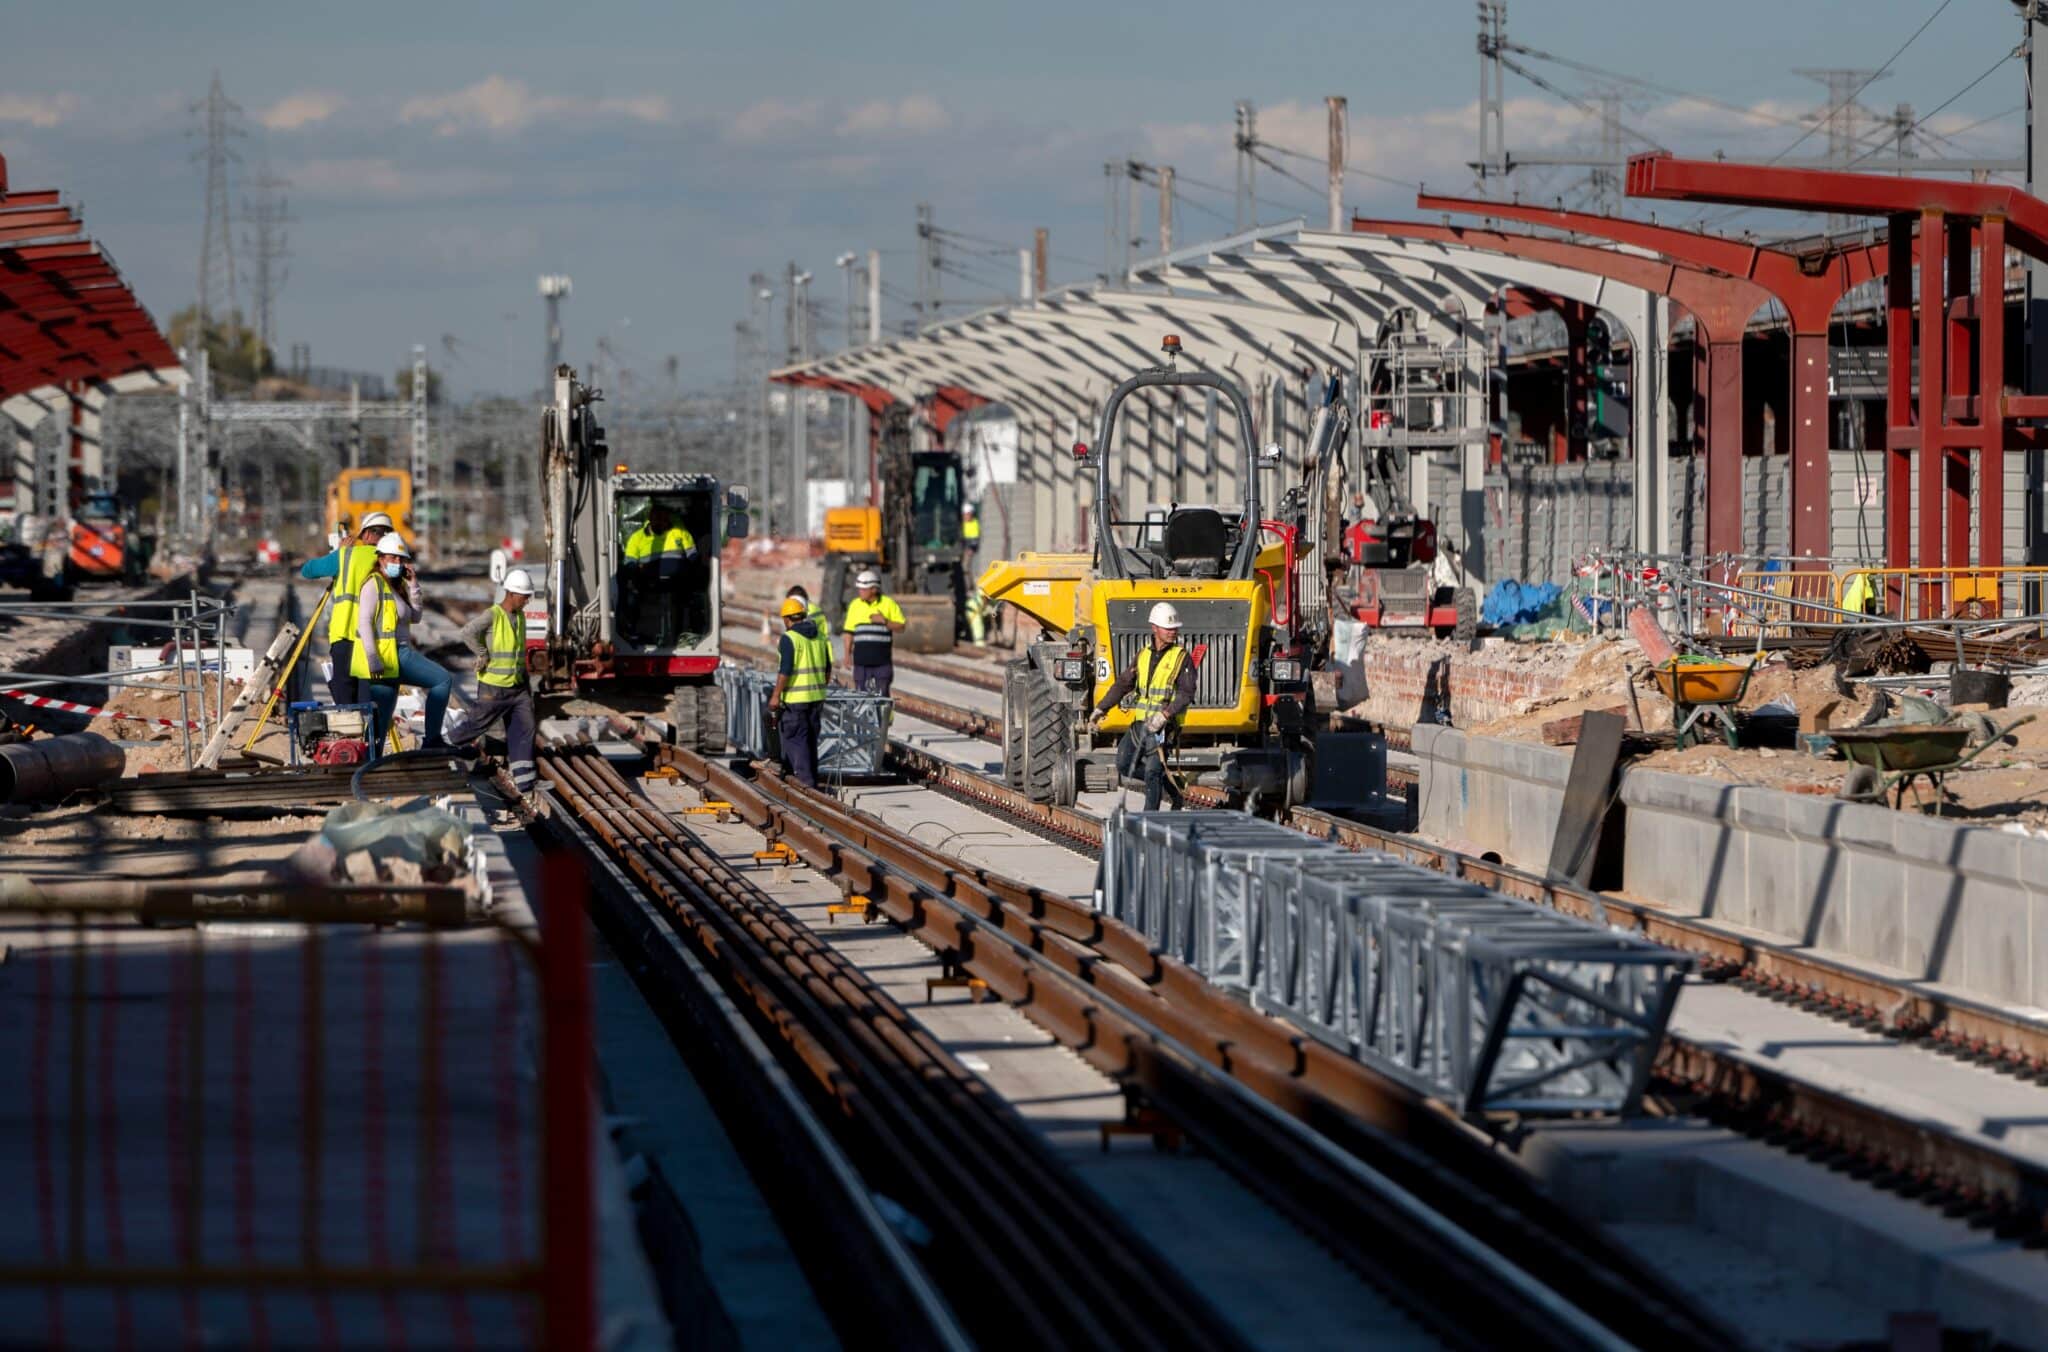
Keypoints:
pixel 355 493
pixel 1232 575
pixel 910 535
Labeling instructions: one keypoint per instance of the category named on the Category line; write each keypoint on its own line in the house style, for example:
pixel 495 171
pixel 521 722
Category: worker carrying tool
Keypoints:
pixel 1161 684
pixel 803 669
pixel 872 623
pixel 654 559
pixel 350 564
pixel 498 638
pixel 813 612
pixel 373 656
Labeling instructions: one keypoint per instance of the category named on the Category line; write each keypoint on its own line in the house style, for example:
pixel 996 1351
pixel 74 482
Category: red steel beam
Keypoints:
pixel 1720 306
pixel 1808 285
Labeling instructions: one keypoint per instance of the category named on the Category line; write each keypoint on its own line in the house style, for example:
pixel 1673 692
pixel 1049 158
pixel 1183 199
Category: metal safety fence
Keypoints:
pixel 272 1117
pixel 1490 1004
pixel 853 727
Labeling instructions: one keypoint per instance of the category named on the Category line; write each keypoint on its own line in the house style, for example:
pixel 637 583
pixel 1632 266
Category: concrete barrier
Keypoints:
pixel 1934 900
pixel 1489 792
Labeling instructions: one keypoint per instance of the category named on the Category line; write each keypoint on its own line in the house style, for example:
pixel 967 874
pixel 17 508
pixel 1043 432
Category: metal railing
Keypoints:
pixel 1489 1004
pixel 300 1129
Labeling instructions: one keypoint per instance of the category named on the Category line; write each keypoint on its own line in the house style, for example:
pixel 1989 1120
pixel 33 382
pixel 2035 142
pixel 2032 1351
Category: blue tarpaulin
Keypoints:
pixel 1511 602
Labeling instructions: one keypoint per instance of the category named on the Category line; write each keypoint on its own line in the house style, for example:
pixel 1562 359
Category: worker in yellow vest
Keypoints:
pixel 872 623
pixel 813 612
pixel 970 531
pixel 654 559
pixel 497 638
pixel 803 671
pixel 373 657
pixel 350 564
pixel 1161 684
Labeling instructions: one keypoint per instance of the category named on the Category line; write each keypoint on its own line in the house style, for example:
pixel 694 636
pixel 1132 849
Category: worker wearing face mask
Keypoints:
pixel 374 662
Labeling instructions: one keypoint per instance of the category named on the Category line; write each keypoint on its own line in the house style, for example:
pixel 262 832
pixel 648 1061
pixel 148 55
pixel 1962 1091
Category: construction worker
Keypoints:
pixel 654 558
pixel 415 668
pixel 803 669
pixel 350 563
pixel 373 657
pixel 498 639
pixel 813 612
pixel 1162 686
pixel 871 625
pixel 970 531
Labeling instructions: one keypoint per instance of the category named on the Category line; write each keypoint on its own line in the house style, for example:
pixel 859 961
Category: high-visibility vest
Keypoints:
pixel 354 569
pixel 1157 672
pixel 811 660
pixel 970 529
pixel 387 637
pixel 673 544
pixel 816 615
pixel 874 642
pixel 505 662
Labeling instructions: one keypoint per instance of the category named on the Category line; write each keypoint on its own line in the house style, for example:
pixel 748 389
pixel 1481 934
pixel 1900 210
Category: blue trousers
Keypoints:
pixel 799 729
pixel 416 668
pixel 382 694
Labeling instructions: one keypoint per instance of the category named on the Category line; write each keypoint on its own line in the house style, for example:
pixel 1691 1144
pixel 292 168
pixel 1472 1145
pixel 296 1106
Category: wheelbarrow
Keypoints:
pixel 1888 758
pixel 1702 689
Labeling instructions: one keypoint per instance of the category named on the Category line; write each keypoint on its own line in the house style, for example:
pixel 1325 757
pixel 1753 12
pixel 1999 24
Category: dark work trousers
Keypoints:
pixel 1138 755
pixel 878 679
pixel 341 687
pixel 514 708
pixel 799 730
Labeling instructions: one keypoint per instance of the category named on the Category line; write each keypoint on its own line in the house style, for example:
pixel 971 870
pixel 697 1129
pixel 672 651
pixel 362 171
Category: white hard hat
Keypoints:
pixel 520 581
pixel 391 544
pixel 1165 616
pixel 867 578
pixel 376 519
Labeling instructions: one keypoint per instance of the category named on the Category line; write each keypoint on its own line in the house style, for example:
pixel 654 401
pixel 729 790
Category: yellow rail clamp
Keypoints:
pixel 853 905
pixel 951 977
pixel 712 807
pixel 661 772
pixel 778 853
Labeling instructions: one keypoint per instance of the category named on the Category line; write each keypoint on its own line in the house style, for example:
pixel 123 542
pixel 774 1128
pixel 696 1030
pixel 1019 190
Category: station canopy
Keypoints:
pixel 66 313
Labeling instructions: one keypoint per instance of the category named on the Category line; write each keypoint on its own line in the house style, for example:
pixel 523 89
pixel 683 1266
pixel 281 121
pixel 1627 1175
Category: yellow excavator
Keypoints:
pixel 1230 571
pixel 910 533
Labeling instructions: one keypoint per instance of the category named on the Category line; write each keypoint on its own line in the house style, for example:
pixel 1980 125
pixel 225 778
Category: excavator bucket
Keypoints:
pixel 929 624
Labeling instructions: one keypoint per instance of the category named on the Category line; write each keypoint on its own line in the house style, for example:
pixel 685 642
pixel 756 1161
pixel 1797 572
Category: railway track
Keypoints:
pixel 2006 1191
pixel 1347 1156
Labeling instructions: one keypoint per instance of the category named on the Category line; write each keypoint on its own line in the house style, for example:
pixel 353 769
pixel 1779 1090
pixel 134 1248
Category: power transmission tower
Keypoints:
pixel 217 114
pixel 1493 133
pixel 267 215
pixel 1841 118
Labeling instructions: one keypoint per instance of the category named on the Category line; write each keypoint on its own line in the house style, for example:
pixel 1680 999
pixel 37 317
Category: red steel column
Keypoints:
pixel 1933 231
pixel 1957 383
pixel 1991 393
pixel 1812 437
pixel 1898 398
pixel 1724 443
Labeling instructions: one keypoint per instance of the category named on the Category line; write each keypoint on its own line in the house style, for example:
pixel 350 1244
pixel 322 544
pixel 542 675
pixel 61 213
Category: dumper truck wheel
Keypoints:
pixel 1046 736
pixel 1014 675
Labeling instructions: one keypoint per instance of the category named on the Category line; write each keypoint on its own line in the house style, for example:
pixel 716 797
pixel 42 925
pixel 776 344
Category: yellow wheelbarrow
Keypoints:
pixel 1702 689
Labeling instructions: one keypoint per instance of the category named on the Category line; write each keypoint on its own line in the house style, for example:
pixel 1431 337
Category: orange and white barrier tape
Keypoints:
pixel 46 702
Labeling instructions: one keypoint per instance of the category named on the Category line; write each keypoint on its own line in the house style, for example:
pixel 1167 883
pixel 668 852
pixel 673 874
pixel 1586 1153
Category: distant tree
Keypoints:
pixel 233 349
pixel 404 383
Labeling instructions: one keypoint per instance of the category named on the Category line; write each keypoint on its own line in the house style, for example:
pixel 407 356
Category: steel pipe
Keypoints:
pixel 50 767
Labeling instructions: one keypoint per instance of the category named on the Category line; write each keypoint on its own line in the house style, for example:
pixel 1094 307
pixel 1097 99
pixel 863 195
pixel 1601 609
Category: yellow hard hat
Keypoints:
pixel 792 608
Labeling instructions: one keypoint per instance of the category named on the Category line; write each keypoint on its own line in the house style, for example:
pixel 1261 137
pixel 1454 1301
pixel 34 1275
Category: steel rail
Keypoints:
pixel 1333 1146
pixel 1010 1233
pixel 2007 1190
pixel 282 790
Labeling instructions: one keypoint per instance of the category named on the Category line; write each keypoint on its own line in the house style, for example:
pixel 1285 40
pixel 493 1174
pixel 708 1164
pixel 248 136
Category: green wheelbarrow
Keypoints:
pixel 1887 759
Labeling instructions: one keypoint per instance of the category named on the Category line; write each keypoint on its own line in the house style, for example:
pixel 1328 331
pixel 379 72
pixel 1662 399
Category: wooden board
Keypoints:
pixel 1588 792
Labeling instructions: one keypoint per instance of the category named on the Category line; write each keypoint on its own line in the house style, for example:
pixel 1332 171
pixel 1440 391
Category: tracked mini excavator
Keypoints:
pixel 909 533
pixel 1234 574
pixel 619 639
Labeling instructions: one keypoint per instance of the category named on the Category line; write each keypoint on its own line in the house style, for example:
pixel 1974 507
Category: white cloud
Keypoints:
pixel 38 110
pixel 300 110
pixel 912 115
pixel 359 177
pixel 497 104
pixel 772 119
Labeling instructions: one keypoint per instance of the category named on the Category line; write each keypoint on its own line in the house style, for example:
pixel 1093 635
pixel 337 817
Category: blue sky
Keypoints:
pixel 443 154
